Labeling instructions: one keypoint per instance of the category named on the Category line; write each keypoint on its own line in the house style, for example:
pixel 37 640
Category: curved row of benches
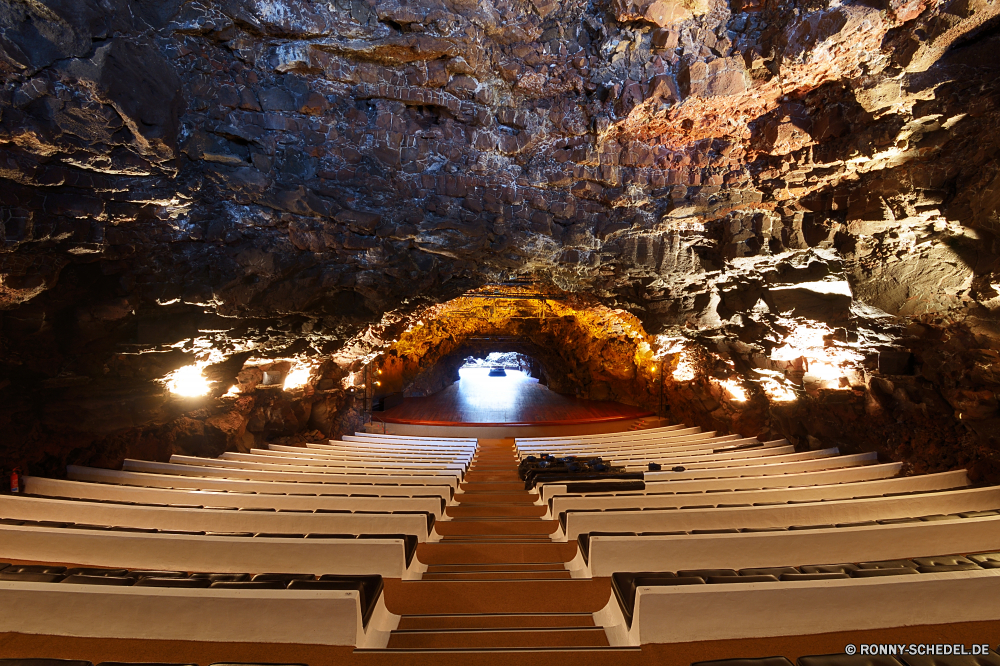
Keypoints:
pixel 710 545
pixel 187 549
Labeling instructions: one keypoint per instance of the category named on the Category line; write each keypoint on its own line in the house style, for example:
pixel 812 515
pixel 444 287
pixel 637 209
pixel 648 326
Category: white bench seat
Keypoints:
pixel 696 442
pixel 260 486
pixel 196 461
pixel 417 438
pixel 830 512
pixel 223 554
pixel 726 484
pixel 294 476
pixel 293 459
pixel 608 435
pixel 846 490
pixel 210 520
pixel 710 453
pixel 274 449
pixel 569 445
pixel 546 490
pixel 608 554
pixel 37 485
pixel 707 461
pixel 725 611
pixel 314 617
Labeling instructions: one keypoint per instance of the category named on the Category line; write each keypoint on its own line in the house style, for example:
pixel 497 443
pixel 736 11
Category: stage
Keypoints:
pixel 515 403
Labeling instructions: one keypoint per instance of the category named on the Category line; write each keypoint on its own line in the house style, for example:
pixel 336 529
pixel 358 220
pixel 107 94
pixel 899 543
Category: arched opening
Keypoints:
pixel 569 358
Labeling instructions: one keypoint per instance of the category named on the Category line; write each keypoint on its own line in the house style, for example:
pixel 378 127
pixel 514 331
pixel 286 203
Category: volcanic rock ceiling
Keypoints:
pixel 733 190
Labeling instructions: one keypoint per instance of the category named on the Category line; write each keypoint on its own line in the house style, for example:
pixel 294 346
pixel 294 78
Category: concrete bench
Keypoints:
pixel 707 461
pixel 831 512
pixel 37 485
pixel 727 484
pixel 361 436
pixel 379 449
pixel 725 444
pixel 281 458
pixel 692 434
pixel 300 476
pixel 140 550
pixel 680 444
pixel 266 487
pixel 214 520
pixel 764 549
pixel 348 455
pixel 834 491
pixel 682 613
pixel 757 450
pixel 456 472
pixel 546 490
pixel 603 436
pixel 299 616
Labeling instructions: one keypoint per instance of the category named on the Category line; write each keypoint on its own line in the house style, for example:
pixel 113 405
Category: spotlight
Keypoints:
pixel 188 382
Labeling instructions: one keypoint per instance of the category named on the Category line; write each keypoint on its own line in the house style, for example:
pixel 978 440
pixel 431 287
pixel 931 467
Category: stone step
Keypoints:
pixel 428 597
pixel 523 526
pixel 496 620
pixel 498 575
pixel 499 638
pixel 527 566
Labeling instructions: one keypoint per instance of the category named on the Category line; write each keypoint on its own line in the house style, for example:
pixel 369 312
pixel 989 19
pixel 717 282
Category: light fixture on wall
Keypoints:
pixel 188 382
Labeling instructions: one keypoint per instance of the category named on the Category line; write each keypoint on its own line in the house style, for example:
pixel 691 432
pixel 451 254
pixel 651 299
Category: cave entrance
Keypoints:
pixel 565 357
pixel 502 388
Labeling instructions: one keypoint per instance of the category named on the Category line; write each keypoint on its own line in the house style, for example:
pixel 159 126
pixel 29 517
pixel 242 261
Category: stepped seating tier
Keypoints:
pixel 101 492
pixel 395 548
pixel 668 607
pixel 289 485
pixel 171 605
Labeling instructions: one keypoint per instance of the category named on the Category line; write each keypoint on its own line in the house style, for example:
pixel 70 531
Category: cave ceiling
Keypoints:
pixel 240 182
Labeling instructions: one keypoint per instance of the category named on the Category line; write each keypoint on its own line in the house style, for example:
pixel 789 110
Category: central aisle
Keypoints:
pixel 496 579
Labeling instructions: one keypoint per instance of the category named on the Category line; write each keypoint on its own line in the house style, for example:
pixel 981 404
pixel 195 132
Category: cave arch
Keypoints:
pixel 584 348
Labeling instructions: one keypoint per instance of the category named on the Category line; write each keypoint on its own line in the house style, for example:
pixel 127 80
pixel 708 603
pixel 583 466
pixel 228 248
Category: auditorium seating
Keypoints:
pixel 183 550
pixel 722 538
pixel 711 604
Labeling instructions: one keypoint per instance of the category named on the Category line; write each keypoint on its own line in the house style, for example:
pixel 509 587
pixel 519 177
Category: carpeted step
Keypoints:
pixel 528 566
pixel 496 498
pixel 499 575
pixel 503 486
pixel 524 526
pixel 420 597
pixel 496 620
pixel 487 553
pixel 499 638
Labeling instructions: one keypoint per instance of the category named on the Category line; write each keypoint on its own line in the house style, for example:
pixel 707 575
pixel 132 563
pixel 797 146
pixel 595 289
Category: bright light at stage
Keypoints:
pixel 481 391
pixel 188 382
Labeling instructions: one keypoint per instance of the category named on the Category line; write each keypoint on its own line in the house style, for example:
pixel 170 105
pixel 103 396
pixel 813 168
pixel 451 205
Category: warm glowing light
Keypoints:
pixel 233 391
pixel 826 363
pixel 350 379
pixel 378 383
pixel 188 382
pixel 685 370
pixel 297 377
pixel 380 371
pixel 777 391
pixel 735 390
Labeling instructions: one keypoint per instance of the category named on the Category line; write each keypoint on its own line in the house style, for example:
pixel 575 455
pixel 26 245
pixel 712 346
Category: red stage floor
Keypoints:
pixel 512 400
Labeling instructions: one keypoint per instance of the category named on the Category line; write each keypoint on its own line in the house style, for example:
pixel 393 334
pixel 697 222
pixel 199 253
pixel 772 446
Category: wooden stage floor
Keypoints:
pixel 516 399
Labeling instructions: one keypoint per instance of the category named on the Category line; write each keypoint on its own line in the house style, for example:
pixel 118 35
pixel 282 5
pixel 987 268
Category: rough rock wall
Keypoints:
pixel 278 179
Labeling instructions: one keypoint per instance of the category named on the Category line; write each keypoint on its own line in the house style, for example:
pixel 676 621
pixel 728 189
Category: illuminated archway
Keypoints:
pixel 584 348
